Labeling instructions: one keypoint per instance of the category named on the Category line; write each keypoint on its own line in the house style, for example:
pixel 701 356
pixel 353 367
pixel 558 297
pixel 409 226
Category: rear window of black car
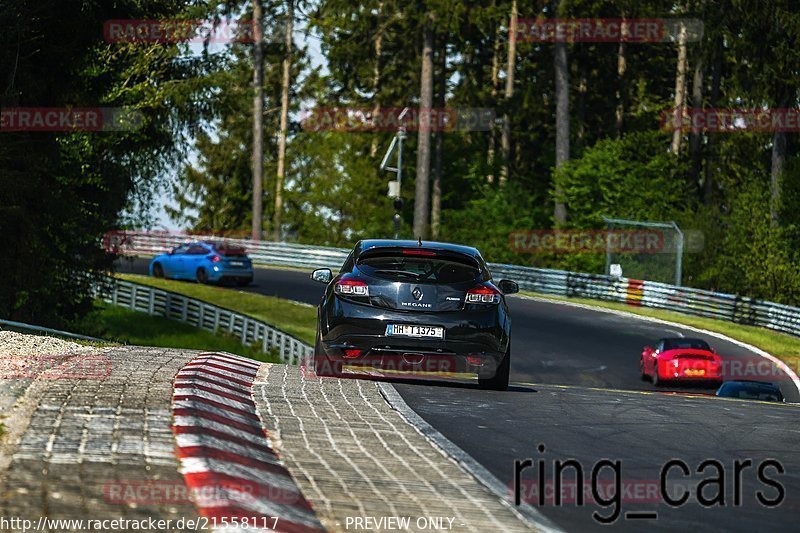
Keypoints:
pixel 419 269
pixel 752 392
pixel 686 344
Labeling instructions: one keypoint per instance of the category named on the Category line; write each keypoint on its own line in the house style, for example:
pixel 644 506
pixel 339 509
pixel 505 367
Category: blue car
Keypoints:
pixel 204 262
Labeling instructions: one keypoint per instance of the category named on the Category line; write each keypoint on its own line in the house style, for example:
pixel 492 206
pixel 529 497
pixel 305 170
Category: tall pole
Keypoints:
pixel 562 121
pixel 511 61
pixel 680 91
pixel 287 63
pixel 395 187
pixel 258 120
pixel 422 195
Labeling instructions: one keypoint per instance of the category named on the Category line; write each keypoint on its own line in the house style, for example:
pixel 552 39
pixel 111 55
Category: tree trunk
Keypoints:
pixel 258 120
pixel 376 78
pixel 778 165
pixel 622 66
pixel 779 154
pixel 422 193
pixel 680 92
pixel 716 81
pixel 287 64
pixel 696 137
pixel 495 79
pixel 511 62
pixel 562 122
pixel 436 196
pixel 582 91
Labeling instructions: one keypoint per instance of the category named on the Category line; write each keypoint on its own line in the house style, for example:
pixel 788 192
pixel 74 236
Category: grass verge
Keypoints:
pixel 296 319
pixel 784 347
pixel 134 327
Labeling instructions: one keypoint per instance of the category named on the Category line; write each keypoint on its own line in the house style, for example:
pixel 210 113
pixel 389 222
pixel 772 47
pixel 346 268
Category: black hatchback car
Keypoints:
pixel 419 309
pixel 751 390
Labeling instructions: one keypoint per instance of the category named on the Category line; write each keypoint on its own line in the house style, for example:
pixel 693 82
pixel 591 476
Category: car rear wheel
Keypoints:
pixel 322 365
pixel 158 271
pixel 500 379
pixel 644 375
pixel 201 275
pixel 656 380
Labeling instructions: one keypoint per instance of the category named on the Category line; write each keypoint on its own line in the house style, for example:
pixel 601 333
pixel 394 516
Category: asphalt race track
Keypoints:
pixel 577 392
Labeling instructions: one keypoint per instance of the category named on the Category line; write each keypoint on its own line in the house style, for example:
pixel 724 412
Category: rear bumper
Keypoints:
pixel 689 373
pixel 224 274
pixel 474 341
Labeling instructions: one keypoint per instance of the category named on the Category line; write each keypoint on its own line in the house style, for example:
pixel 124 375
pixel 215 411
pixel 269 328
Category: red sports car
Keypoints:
pixel 681 359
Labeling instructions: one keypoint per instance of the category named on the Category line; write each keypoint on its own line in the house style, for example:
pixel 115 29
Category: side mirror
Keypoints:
pixel 323 275
pixel 508 286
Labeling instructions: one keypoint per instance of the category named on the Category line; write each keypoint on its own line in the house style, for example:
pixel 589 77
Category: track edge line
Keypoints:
pixel 525 512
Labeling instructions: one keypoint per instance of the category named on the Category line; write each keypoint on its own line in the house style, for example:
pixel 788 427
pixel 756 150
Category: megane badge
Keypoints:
pixel 416 293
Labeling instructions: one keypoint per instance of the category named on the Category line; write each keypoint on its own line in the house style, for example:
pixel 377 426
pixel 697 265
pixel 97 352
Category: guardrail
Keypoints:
pixel 210 317
pixel 697 302
pixel 29 328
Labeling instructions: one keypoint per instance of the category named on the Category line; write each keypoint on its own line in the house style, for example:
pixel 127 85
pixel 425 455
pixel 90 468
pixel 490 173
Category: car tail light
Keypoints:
pixel 216 259
pixel 483 294
pixel 352 287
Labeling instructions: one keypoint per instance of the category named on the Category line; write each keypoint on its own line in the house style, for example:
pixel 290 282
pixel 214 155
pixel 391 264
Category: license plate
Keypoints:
pixel 236 263
pixel 406 330
pixel 691 372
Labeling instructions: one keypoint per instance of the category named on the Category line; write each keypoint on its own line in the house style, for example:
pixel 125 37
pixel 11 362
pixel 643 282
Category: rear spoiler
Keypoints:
pixel 418 252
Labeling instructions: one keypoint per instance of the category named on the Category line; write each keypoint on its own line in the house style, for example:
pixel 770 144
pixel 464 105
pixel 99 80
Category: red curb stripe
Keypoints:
pixel 231 457
pixel 276 494
pixel 228 361
pixel 199 413
pixel 223 367
pixel 197 430
pixel 218 375
pixel 246 400
pixel 219 405
pixel 245 381
pixel 243 390
pixel 232 484
pixel 244 361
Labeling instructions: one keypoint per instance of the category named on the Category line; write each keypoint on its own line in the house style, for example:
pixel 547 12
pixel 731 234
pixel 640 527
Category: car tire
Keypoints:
pixel 656 380
pixel 201 275
pixel 499 381
pixel 158 271
pixel 644 376
pixel 324 367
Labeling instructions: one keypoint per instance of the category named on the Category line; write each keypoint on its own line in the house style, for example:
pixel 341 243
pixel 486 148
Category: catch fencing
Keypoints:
pixel 204 315
pixel 697 302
